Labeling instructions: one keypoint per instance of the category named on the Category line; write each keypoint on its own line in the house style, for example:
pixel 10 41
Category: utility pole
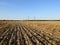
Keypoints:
pixel 28 17
pixel 34 18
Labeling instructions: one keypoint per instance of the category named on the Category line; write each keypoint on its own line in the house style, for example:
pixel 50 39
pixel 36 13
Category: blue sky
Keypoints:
pixel 22 9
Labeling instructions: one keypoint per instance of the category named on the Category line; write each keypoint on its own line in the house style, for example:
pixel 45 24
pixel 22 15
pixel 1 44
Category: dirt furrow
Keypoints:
pixel 45 37
pixel 14 38
pixel 18 35
pixel 27 40
pixel 4 34
pixel 32 37
pixel 5 40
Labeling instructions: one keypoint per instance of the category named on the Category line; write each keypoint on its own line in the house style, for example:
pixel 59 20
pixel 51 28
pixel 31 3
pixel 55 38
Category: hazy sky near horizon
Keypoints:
pixel 22 9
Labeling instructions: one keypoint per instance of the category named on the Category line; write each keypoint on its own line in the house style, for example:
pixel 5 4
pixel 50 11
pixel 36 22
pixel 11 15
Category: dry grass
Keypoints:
pixel 30 33
pixel 51 27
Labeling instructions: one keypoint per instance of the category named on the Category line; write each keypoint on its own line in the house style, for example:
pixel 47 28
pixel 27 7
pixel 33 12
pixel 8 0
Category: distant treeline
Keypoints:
pixel 29 20
pixel 41 20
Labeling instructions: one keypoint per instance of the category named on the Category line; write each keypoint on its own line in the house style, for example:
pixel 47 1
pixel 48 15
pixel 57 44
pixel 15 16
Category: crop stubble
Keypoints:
pixel 23 34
